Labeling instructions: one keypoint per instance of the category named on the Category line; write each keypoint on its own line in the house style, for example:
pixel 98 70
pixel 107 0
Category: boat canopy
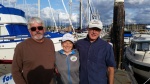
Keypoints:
pixel 12 11
pixel 17 29
pixel 11 15
pixel 127 34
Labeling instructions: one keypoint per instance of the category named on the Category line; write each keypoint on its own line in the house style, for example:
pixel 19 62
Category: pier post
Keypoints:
pixel 117 32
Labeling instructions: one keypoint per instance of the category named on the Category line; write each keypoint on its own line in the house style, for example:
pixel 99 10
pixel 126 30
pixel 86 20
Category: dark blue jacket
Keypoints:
pixel 94 60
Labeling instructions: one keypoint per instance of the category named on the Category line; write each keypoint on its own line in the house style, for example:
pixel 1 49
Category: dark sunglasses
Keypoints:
pixel 38 27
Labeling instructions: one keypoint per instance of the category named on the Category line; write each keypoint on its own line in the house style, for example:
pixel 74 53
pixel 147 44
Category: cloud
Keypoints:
pixel 135 1
pixel 136 11
pixel 9 1
pixel 139 9
pixel 58 15
pixel 29 9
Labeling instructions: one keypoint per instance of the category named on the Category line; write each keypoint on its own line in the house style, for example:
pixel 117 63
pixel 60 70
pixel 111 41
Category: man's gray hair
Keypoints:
pixel 32 20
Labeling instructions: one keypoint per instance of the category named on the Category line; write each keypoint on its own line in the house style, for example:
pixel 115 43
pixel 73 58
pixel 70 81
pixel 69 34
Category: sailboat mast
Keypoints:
pixel 56 29
pixel 80 14
pixel 39 8
pixel 70 4
pixel 88 10
pixel 68 16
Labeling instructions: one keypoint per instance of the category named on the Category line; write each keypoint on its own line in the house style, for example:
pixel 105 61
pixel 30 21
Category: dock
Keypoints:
pixel 124 77
pixel 4 69
pixel 121 76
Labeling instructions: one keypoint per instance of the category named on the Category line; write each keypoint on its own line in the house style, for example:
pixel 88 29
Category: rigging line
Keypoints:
pixel 95 13
pixel 90 6
pixel 89 10
pixel 85 12
pixel 53 16
pixel 146 81
pixel 68 16
pixel 84 15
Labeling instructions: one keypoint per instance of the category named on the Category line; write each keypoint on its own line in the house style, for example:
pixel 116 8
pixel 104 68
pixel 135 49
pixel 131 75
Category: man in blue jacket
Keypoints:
pixel 97 61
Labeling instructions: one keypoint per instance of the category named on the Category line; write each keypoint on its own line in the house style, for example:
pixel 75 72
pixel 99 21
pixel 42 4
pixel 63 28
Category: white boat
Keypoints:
pixel 13 30
pixel 137 55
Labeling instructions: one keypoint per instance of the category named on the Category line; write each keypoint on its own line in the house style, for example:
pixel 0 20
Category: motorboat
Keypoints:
pixel 137 55
pixel 13 30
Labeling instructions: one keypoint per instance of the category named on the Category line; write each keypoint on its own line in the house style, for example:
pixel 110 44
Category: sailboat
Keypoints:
pixel 89 13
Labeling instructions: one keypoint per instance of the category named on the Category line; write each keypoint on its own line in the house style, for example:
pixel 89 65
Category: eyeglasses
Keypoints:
pixel 38 27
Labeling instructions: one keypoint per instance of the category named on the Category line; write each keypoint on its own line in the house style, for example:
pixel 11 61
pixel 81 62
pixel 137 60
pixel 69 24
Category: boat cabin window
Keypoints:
pixel 142 46
pixel 133 46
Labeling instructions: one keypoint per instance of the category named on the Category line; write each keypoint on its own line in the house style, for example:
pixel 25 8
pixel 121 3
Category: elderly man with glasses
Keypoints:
pixel 33 61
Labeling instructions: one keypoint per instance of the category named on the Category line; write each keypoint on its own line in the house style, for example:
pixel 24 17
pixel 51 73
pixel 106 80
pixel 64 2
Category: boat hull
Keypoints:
pixel 7 79
pixel 144 74
pixel 141 69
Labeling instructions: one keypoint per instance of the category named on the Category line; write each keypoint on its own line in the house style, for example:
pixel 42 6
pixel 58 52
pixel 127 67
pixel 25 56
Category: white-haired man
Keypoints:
pixel 34 58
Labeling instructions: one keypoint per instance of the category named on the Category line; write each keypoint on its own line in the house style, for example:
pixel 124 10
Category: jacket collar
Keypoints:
pixel 62 52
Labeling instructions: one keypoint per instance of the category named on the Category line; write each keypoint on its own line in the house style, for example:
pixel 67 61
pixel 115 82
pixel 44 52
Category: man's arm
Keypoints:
pixel 17 67
pixel 111 75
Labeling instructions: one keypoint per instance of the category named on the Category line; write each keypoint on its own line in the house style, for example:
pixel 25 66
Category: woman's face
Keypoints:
pixel 67 46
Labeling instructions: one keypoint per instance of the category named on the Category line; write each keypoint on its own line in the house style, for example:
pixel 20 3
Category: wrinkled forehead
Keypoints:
pixel 34 24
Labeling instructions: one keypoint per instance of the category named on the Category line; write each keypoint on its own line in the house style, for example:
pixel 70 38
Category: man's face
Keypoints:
pixel 37 31
pixel 93 33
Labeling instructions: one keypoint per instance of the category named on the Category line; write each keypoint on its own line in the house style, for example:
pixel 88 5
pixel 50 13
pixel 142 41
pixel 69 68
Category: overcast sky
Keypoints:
pixel 136 11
